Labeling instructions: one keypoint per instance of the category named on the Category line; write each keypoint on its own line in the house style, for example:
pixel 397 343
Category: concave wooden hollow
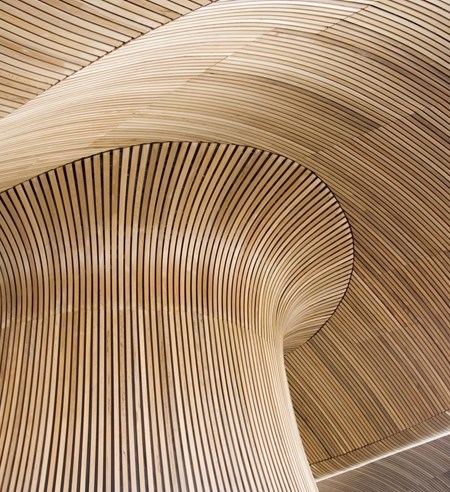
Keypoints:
pixel 147 296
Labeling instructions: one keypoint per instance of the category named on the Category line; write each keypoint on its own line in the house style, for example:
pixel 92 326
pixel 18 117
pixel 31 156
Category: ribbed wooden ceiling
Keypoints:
pixel 146 298
pixel 45 41
pixel 425 468
pixel 429 429
pixel 356 91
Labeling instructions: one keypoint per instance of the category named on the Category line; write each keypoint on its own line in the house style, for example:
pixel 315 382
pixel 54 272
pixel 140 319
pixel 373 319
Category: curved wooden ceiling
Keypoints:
pixel 430 429
pixel 45 41
pixel 138 282
pixel 425 468
pixel 356 91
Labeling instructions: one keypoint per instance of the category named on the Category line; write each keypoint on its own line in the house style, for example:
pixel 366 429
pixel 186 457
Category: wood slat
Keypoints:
pixel 44 41
pixel 357 92
pixel 428 430
pixel 147 294
pixel 421 469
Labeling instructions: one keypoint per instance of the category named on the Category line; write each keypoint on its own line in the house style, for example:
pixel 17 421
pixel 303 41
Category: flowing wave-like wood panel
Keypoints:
pixel 146 298
pixel 425 468
pixel 427 430
pixel 358 92
pixel 45 41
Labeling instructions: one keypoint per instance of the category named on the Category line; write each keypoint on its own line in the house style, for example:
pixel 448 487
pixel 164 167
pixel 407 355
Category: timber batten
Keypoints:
pixel 149 293
pixel 357 92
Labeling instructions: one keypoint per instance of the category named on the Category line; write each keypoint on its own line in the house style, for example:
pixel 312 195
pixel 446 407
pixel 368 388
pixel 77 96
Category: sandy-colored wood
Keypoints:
pixel 358 92
pixel 425 468
pixel 428 430
pixel 44 41
pixel 147 295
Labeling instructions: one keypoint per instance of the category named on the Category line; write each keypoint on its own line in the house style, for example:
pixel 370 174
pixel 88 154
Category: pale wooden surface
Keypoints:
pixel 356 91
pixel 429 429
pixel 44 41
pixel 146 298
pixel 425 468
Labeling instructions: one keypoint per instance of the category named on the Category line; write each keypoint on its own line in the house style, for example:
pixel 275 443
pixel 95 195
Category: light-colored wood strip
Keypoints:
pixel 163 279
pixel 54 39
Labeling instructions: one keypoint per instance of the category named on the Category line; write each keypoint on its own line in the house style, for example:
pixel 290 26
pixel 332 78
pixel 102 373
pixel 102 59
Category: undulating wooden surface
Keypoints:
pixel 427 430
pixel 425 468
pixel 357 91
pixel 146 298
pixel 45 41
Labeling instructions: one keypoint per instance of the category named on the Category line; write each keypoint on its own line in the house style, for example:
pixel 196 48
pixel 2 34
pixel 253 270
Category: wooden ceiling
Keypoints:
pixel 357 91
pixel 45 41
pixel 425 468
pixel 120 276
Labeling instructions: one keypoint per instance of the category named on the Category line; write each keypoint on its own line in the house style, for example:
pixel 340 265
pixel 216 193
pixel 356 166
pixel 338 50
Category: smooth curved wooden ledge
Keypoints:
pixel 147 295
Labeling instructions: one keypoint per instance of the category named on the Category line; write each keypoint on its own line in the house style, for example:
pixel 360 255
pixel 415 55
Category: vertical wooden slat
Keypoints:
pixel 152 289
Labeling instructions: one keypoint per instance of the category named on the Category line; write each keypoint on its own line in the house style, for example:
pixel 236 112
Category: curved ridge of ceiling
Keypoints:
pixel 428 430
pixel 43 42
pixel 423 468
pixel 357 92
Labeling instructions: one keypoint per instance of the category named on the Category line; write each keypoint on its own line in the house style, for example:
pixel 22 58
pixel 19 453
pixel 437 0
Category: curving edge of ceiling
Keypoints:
pixel 43 42
pixel 420 468
pixel 358 93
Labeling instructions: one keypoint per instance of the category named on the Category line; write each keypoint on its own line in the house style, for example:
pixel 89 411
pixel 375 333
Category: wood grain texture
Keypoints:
pixel 44 41
pixel 147 294
pixel 356 91
pixel 425 468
